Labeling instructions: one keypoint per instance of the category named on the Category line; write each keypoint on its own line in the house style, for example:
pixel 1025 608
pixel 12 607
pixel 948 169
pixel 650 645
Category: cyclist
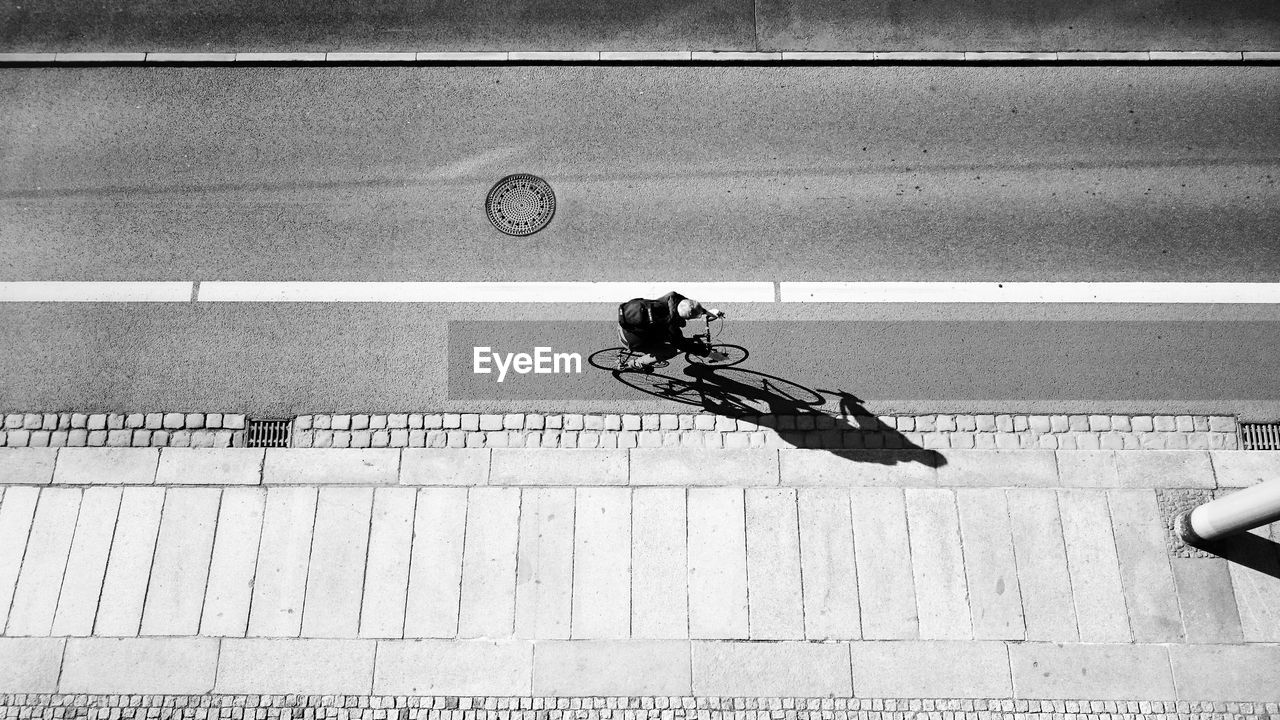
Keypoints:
pixel 654 328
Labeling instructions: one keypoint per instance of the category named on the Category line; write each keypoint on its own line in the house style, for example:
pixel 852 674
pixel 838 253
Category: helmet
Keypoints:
pixel 688 308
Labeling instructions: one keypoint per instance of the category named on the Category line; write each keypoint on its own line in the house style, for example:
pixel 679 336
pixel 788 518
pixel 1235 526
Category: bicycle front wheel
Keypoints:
pixel 721 355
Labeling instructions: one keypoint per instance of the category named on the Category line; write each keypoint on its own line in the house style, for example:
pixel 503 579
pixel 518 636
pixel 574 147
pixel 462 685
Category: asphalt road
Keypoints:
pixel 777 173
pixel 720 173
pixel 138 25
pixel 282 359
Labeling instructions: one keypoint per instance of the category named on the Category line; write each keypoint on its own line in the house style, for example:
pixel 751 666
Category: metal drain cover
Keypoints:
pixel 267 433
pixel 520 204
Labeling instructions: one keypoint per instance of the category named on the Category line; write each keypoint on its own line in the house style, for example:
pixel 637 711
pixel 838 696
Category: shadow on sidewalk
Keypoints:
pixel 1247 550
pixel 793 410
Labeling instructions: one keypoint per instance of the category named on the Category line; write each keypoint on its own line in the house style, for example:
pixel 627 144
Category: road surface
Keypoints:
pixel 671 174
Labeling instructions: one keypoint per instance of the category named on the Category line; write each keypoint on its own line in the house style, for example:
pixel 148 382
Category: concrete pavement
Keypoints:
pixel 1014 575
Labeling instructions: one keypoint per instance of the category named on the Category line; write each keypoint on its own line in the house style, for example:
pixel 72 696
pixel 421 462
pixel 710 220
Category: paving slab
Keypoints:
pixel 882 549
pixel 17 510
pixel 284 553
pixel 1243 468
pixel 717 563
pixel 602 564
pixel 1165 468
pixel 1087 468
pixel 1101 615
pixel 444 667
pixel 124 587
pixel 857 468
pixel 27 466
pixel 1207 600
pixel 386 581
pixel 1254 564
pixel 36 597
pixel 339 552
pixel 435 566
pixel 930 668
pixel 1091 671
pixel 444 466
pixel 487 602
pixel 180 569
pixel 692 467
pixel 1145 574
pixel 324 466
pixel 612 668
pixel 106 466
pixel 995 600
pixel 304 666
pixel 1043 576
pixel 30 665
pixel 998 468
pixel 87 563
pixel 233 562
pixel 544 564
pixel 659 564
pixel 583 467
pixel 829 572
pixel 1226 672
pixel 775 602
pixel 794 669
pixel 210 466
pixel 140 665
pixel 937 564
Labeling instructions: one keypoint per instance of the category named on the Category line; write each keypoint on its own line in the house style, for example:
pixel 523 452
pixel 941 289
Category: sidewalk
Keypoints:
pixel 990 575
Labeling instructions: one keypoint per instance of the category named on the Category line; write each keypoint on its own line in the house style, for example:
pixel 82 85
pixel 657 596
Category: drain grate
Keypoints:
pixel 520 204
pixel 1260 436
pixel 267 433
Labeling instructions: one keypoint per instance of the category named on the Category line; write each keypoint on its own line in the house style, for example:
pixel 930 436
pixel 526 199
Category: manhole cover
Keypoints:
pixel 520 204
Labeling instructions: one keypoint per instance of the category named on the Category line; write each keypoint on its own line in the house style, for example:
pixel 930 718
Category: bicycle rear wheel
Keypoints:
pixel 614 358
pixel 721 355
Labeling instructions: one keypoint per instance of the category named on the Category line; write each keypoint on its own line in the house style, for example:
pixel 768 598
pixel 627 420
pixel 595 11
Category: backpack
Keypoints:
pixel 643 317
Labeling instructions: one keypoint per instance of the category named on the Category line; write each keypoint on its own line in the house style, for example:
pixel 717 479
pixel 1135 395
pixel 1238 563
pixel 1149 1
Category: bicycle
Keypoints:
pixel 618 359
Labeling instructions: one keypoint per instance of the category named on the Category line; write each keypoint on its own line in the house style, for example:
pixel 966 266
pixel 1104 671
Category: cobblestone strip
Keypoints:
pixel 412 707
pixel 576 430
pixel 172 429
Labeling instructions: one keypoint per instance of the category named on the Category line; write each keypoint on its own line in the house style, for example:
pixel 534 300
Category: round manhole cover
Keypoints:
pixel 520 204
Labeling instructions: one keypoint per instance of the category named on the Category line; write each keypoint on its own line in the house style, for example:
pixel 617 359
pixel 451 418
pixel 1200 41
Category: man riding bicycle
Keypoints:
pixel 654 328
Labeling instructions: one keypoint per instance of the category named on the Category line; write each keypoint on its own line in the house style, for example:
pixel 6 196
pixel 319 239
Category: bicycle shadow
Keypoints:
pixel 794 411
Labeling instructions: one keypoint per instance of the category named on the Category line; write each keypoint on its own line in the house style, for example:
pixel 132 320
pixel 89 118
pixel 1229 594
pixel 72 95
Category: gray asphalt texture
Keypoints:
pixel 329 25
pixel 279 360
pixel 711 173
pixel 729 173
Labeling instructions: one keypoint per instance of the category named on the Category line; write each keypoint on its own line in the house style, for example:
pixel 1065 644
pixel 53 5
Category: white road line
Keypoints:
pixel 590 292
pixel 1030 292
pixel 592 56
pixel 61 291
pixel 491 292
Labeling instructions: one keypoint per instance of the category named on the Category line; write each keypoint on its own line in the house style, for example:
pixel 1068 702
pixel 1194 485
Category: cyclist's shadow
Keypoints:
pixel 794 411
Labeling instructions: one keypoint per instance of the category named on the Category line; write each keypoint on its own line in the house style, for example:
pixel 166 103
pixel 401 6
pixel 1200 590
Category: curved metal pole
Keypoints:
pixel 1237 512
